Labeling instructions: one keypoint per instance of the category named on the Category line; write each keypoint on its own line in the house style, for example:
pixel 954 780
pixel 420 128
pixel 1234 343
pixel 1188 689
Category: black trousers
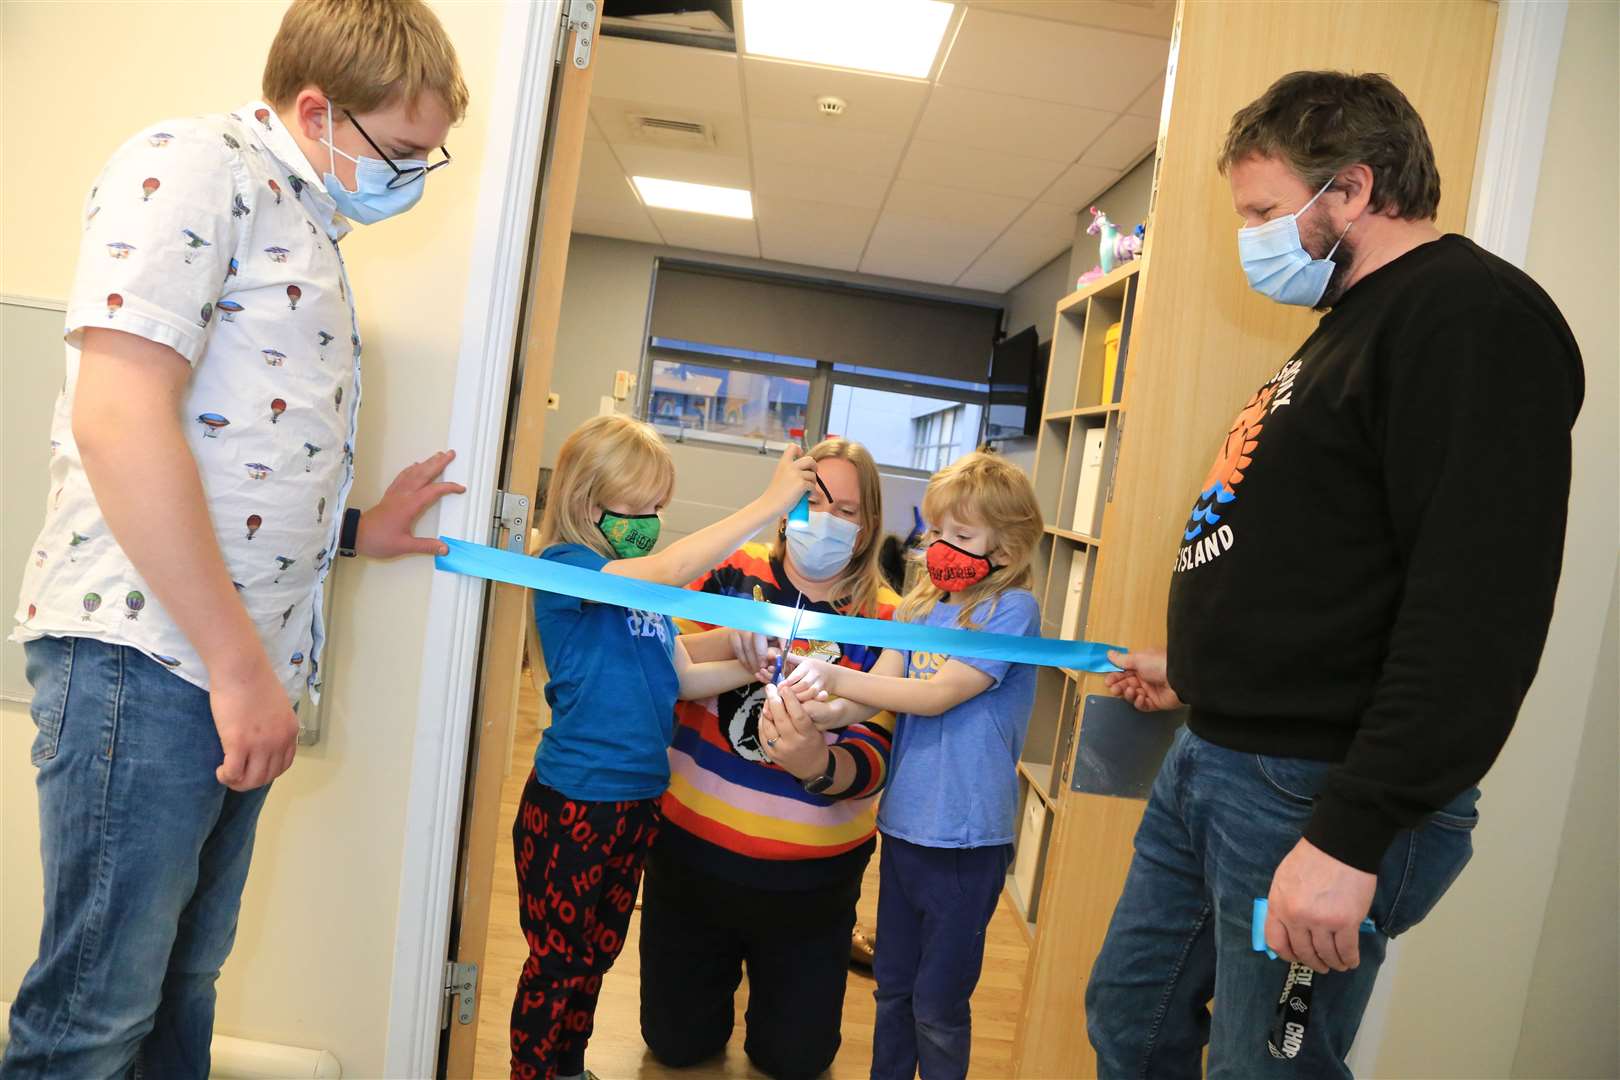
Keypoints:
pixel 697 932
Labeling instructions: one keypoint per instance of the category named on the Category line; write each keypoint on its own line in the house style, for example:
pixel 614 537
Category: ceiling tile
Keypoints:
pixel 1078 186
pixel 644 232
pixel 1052 61
pixel 1040 234
pixel 706 232
pixel 921 248
pixel 673 75
pixel 1122 145
pixel 812 233
pixel 1156 17
pixel 876 103
pixel 813 183
pixel 973 210
pixel 693 166
pixel 618 120
pixel 955 165
pixel 828 146
pixel 604 191
pixel 1012 125
pixel 1150 101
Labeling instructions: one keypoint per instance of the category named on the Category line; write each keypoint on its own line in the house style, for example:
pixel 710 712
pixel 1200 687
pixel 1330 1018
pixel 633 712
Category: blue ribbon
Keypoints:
pixel 773 620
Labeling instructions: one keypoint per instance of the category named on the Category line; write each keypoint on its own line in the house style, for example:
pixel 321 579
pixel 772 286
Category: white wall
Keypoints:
pixel 1462 990
pixel 605 299
pixel 313 958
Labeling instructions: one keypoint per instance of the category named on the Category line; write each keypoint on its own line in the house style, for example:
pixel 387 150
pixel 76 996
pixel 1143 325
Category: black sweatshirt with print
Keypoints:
pixel 1368 573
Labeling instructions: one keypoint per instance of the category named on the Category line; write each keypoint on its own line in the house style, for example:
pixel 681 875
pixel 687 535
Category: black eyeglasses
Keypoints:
pixel 402 177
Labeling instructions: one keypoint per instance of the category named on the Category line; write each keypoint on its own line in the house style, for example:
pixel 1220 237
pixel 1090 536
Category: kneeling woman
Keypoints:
pixel 763 848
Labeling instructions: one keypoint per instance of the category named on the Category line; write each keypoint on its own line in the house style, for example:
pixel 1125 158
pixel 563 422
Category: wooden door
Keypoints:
pixel 1202 342
pixel 507 614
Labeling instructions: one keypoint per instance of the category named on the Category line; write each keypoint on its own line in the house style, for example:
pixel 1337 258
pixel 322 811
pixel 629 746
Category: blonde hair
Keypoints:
pixel 985 489
pixel 858 585
pixel 608 460
pixel 364 55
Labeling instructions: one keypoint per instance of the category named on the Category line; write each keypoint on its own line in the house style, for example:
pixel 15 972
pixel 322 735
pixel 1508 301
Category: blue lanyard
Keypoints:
pixel 773 620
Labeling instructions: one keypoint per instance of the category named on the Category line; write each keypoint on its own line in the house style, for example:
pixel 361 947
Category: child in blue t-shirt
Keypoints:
pixel 948 813
pixel 590 808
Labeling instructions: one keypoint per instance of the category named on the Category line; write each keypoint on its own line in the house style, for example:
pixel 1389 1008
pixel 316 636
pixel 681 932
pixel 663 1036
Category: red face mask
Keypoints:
pixel 951 569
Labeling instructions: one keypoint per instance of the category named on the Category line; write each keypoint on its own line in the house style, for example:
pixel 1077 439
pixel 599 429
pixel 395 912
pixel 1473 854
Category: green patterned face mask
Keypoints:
pixel 629 536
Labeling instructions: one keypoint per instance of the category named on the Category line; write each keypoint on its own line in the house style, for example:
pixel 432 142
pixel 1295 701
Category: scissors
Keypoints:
pixel 798 613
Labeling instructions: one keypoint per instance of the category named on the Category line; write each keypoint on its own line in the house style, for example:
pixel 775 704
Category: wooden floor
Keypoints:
pixel 616 1050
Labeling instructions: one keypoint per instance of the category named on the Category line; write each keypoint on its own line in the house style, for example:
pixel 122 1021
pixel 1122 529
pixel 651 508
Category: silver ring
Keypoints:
pixel 770 742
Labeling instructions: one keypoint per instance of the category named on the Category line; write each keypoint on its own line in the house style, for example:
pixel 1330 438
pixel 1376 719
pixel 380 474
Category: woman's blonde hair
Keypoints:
pixel 364 55
pixel 609 461
pixel 984 489
pixel 857 587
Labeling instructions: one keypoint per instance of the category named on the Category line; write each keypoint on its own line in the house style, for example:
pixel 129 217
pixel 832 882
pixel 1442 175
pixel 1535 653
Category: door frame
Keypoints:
pixel 491 313
pixel 1524 67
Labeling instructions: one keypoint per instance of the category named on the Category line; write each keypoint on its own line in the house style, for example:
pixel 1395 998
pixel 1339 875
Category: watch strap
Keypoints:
pixel 818 784
pixel 349 533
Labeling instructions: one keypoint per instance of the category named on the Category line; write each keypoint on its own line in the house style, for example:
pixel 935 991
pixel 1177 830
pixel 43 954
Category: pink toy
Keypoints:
pixel 1112 248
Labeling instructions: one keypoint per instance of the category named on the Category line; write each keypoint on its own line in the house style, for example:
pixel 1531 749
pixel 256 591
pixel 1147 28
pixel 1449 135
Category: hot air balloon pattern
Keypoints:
pixel 253 523
pixel 258 470
pixel 325 339
pixel 232 143
pixel 159 139
pixel 32 611
pixel 312 449
pixel 285 615
pixel 297 661
pixel 194 244
pixel 263 117
pixel 311 225
pixel 293 295
pixel 114 302
pixel 354 339
pixel 277 254
pixel 297 185
pixel 78 541
pixel 285 563
pixel 40 557
pixel 230 271
pixel 207 313
pixel 277 407
pixel 134 602
pixel 212 422
pixel 320 510
pixel 120 250
pixel 239 206
pixel 337 400
pixel 149 188
pixel 91 216
pixel 92 604
pixel 275 189
pixel 228 310
pixel 166 661
pixel 274 357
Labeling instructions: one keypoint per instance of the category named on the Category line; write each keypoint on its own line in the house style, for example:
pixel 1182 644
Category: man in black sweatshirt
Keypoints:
pixel 1358 605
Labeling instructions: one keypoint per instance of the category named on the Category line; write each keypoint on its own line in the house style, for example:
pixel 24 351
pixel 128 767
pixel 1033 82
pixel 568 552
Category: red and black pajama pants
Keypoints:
pixel 578 869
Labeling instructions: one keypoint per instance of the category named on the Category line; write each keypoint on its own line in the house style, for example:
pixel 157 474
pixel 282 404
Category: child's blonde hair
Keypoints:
pixel 609 461
pixel 861 579
pixel 364 55
pixel 982 489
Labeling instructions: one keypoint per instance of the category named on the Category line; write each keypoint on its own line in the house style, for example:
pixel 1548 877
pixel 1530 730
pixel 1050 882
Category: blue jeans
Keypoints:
pixel 145 855
pixel 1215 828
pixel 933 907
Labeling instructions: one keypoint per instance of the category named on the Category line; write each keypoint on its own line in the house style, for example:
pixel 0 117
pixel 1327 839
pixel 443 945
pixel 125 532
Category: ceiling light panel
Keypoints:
pixel 890 37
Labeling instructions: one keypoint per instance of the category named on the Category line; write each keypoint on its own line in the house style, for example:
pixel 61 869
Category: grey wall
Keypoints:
pixel 605 298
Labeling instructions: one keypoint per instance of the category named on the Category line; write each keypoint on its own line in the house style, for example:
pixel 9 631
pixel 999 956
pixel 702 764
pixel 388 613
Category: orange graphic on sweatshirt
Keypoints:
pixel 1236 454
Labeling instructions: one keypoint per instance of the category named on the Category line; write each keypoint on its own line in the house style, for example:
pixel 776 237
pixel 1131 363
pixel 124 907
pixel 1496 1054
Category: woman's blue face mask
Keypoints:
pixel 1278 266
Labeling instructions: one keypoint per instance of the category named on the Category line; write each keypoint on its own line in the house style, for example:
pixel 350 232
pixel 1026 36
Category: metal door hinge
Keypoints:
pixel 511 514
pixel 460 991
pixel 579 19
pixel 1113 468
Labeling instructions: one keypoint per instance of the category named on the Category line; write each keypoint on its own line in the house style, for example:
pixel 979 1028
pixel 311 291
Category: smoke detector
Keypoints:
pixel 828 105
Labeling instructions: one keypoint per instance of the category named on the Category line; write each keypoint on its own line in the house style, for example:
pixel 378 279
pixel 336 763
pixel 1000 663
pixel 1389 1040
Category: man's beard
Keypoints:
pixel 1318 239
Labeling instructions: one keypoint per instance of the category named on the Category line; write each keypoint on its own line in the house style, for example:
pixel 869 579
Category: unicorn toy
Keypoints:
pixel 1112 247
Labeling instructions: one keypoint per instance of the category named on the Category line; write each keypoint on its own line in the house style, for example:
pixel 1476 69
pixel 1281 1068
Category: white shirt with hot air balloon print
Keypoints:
pixel 214 236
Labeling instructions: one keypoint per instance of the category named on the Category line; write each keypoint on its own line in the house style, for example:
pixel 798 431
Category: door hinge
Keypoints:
pixel 460 993
pixel 511 514
pixel 579 19
pixel 1113 467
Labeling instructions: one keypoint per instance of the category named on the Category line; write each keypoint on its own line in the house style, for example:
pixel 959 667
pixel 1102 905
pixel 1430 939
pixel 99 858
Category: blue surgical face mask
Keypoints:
pixel 372 199
pixel 1277 264
pixel 822 548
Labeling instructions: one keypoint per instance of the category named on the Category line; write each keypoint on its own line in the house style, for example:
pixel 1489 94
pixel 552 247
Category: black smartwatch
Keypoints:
pixel 817 784
pixel 349 532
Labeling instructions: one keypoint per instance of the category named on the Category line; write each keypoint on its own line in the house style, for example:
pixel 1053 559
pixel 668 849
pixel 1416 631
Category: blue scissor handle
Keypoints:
pixel 1257 928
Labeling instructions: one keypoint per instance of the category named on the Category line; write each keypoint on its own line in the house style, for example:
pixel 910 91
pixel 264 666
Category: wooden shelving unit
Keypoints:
pixel 1077 403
